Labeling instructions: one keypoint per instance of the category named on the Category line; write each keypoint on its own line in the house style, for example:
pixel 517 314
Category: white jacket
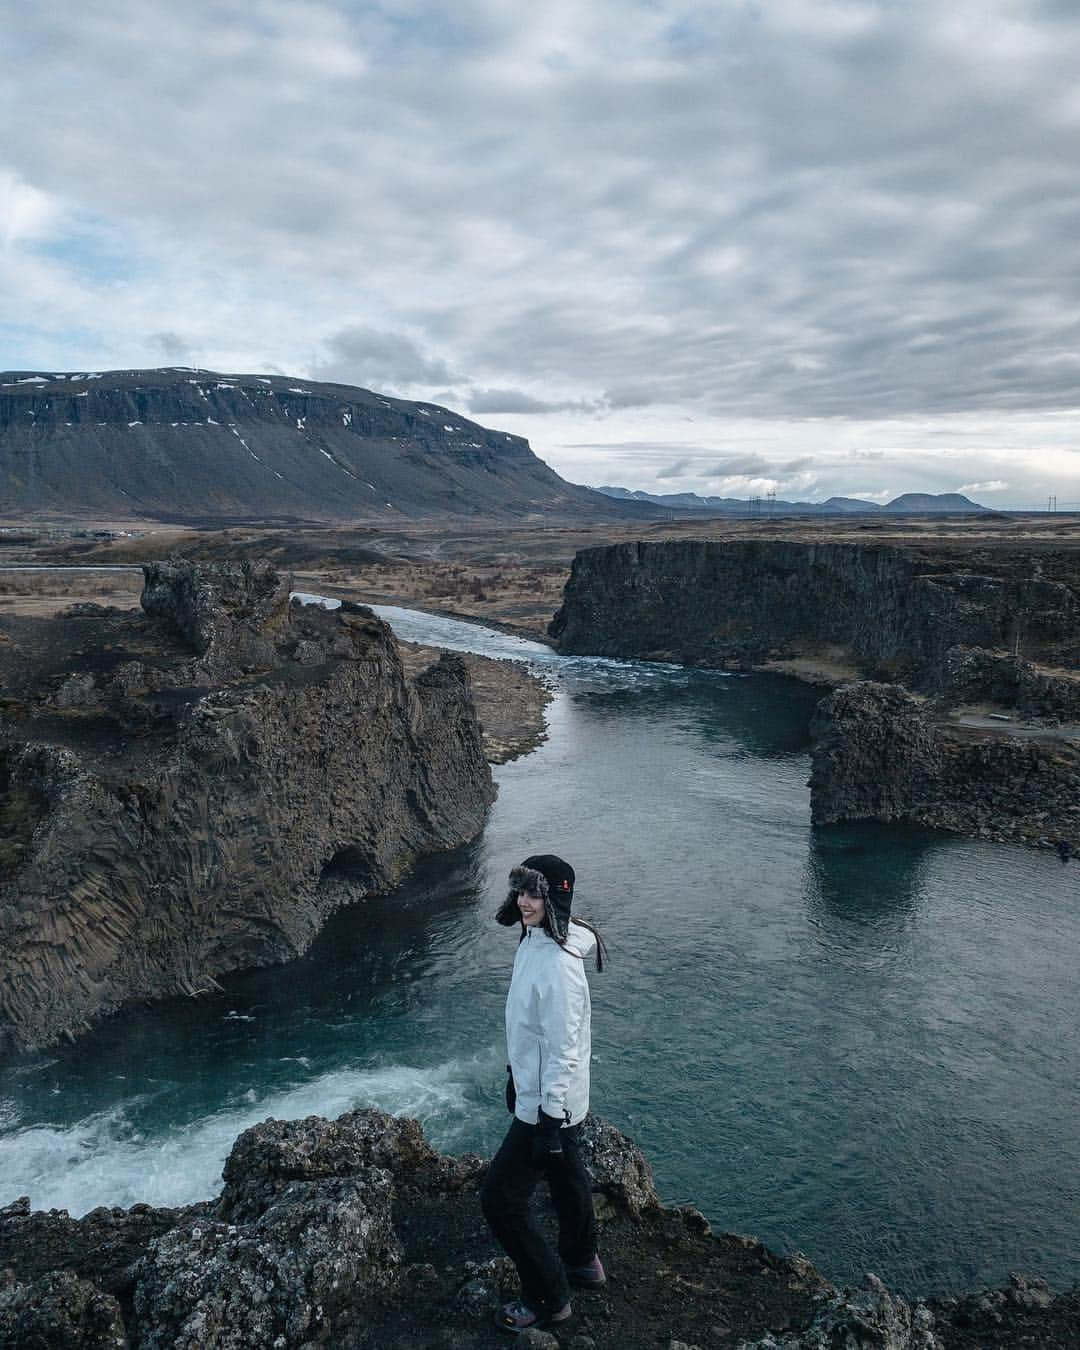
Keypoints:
pixel 548 1032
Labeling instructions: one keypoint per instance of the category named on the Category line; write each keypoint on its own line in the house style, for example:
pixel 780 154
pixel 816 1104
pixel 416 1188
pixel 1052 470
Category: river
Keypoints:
pixel 858 1041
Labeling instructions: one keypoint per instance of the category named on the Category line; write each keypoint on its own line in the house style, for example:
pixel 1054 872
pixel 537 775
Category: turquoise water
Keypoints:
pixel 859 1041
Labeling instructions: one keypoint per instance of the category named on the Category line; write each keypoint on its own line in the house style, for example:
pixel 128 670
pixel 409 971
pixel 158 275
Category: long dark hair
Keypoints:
pixel 601 945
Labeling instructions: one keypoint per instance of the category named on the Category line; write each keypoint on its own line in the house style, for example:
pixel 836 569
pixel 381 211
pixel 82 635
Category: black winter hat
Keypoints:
pixel 559 876
pixel 551 878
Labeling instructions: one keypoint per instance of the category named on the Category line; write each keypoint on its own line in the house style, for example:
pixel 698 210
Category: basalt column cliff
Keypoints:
pixel 173 785
pixel 966 717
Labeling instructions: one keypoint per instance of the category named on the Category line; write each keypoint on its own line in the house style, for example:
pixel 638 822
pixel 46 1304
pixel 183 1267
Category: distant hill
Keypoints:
pixel 180 444
pixel 924 502
pixel 914 503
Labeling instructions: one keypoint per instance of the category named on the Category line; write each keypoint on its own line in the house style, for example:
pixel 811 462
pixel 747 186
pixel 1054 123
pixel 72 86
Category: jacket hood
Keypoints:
pixel 580 940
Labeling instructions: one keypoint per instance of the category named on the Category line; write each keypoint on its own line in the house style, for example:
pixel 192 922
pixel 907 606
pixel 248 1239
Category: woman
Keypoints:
pixel 548 1044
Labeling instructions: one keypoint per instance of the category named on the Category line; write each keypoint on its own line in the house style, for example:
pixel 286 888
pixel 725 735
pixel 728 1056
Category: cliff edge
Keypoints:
pixel 965 713
pixel 175 782
pixel 895 612
pixel 354 1233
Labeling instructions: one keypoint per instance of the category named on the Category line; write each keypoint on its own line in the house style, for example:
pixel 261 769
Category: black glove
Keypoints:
pixel 547 1141
pixel 511 1091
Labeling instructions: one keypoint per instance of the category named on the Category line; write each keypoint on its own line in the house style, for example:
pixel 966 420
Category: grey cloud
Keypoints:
pixel 171 345
pixel 642 449
pixel 384 360
pixel 515 401
pixel 632 395
pixel 677 469
pixel 739 465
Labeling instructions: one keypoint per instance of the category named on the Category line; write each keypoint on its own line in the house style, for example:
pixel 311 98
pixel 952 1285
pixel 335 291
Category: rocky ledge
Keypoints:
pixel 967 716
pixel 356 1233
pixel 183 789
pixel 881 753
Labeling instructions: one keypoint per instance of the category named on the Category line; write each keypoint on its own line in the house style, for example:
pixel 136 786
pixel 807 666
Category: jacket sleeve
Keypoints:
pixel 562 1012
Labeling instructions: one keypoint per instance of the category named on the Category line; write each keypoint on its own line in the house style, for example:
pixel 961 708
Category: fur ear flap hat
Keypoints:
pixel 548 877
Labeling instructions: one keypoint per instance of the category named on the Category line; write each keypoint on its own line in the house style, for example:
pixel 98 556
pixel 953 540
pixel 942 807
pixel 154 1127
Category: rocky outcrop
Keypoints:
pixel 195 445
pixel 174 785
pixel 936 629
pixel 60 1310
pixel 897 611
pixel 356 1233
pixel 881 753
pixel 870 1318
pixel 973 675
pixel 302 1241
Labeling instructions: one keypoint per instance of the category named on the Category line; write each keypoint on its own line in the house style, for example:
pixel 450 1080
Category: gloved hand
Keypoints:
pixel 547 1141
pixel 511 1091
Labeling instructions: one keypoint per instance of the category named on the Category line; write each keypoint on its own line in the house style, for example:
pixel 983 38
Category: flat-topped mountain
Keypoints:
pixel 184 444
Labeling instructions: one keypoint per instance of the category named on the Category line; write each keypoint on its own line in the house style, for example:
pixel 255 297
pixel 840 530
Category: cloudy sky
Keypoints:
pixel 725 246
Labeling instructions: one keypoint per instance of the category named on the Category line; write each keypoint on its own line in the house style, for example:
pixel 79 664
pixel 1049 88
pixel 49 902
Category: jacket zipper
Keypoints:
pixel 539 1059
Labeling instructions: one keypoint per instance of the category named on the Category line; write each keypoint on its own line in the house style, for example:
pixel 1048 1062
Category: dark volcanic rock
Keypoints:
pixel 974 675
pixel 998 627
pixel 874 754
pixel 300 1267
pixel 184 444
pixel 173 786
pixel 100 1246
pixel 880 753
pixel 355 1235
pixel 269 1157
pixel 231 617
pixel 618 1167
pixel 897 611
pixel 870 1319
pixel 60 1312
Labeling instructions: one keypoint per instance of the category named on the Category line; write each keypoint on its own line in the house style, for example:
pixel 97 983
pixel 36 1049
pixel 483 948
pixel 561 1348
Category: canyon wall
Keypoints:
pixel 896 611
pixel 991 629
pixel 881 753
pixel 174 783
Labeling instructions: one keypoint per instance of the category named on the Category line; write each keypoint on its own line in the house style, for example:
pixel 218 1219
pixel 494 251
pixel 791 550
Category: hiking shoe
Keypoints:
pixel 518 1317
pixel 590 1276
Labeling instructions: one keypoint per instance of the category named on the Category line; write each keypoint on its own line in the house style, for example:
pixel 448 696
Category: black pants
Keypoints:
pixel 505 1196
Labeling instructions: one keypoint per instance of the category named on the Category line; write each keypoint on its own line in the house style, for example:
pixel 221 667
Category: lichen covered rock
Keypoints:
pixel 270 1156
pixel 870 1318
pixel 618 1167
pixel 59 1311
pixel 310 1260
pixel 355 1235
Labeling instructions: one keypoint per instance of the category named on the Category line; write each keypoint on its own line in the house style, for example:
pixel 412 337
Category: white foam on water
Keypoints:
pixel 106 1160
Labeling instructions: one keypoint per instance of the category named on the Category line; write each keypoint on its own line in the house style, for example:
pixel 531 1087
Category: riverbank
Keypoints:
pixel 395 1255
pixel 510 701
